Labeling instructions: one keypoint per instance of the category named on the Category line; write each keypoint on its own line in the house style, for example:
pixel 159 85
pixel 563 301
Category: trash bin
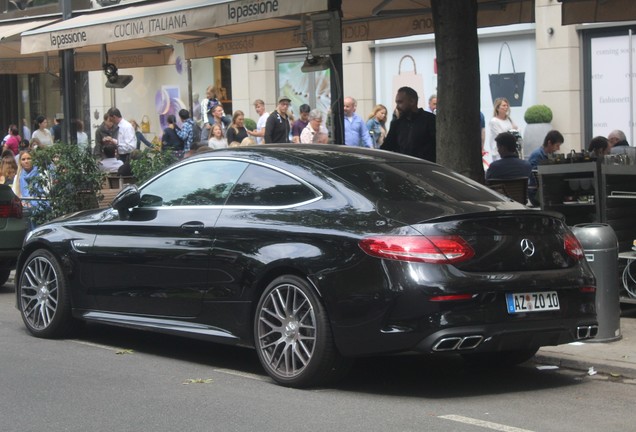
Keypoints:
pixel 601 251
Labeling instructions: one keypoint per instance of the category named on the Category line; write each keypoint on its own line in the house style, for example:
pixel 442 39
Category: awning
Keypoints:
pixel 182 20
pixel 591 11
pixel 11 61
pixel 221 27
pixel 361 20
pixel 141 53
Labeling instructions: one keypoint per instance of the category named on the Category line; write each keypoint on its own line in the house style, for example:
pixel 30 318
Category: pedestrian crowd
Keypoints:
pixel 410 131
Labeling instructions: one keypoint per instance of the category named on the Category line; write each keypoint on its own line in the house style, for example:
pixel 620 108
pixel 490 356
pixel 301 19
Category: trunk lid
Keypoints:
pixel 508 241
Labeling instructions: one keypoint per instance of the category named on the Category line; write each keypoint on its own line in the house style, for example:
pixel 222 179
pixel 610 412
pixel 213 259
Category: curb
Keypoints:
pixel 566 361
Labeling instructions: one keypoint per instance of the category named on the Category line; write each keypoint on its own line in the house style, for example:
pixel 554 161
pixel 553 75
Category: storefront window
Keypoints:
pixel 313 88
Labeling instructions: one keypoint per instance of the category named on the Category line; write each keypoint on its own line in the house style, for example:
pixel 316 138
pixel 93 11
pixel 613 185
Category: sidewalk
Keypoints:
pixel 616 358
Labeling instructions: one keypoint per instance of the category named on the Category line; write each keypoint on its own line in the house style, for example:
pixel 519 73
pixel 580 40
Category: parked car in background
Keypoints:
pixel 315 255
pixel 13 228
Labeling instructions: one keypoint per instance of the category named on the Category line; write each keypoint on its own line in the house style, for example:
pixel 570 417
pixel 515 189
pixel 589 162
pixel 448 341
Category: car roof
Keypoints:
pixel 327 156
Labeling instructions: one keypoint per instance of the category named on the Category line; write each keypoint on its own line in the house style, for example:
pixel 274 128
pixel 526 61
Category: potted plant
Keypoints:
pixel 538 118
pixel 69 180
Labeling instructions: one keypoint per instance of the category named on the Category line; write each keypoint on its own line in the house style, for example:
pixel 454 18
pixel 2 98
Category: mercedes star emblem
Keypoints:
pixel 527 247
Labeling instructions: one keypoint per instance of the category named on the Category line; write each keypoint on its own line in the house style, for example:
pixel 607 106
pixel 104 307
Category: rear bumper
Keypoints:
pixel 503 337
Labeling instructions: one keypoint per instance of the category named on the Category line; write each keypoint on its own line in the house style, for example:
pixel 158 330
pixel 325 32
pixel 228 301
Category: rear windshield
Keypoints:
pixel 414 182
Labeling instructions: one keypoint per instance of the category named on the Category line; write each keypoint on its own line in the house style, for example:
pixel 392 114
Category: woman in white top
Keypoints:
pixel 314 132
pixel 217 139
pixel 501 122
pixel 82 137
pixel 43 134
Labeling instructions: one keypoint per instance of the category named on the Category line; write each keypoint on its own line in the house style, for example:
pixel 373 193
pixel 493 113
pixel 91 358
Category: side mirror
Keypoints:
pixel 125 200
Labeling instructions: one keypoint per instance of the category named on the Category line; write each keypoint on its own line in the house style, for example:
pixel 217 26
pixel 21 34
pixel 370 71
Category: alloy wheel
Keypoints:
pixel 39 294
pixel 286 330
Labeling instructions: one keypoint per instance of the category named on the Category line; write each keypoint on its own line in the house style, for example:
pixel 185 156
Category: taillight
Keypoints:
pixel 573 246
pixel 12 209
pixel 588 289
pixel 432 249
pixel 452 297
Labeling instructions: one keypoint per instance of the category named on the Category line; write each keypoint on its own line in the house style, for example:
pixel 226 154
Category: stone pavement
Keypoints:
pixel 615 358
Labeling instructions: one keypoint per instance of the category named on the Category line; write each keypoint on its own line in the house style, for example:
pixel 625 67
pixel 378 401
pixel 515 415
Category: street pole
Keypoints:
pixel 337 83
pixel 67 87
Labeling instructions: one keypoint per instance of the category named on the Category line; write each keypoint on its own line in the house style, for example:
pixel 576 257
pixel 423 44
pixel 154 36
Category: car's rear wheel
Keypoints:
pixel 4 276
pixel 501 358
pixel 293 337
pixel 44 297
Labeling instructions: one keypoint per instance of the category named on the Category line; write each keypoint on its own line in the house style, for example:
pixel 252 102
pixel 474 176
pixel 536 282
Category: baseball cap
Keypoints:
pixel 283 99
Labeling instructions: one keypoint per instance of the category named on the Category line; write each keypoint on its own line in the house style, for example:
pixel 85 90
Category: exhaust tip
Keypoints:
pixel 458 343
pixel 586 332
pixel 447 344
pixel 470 342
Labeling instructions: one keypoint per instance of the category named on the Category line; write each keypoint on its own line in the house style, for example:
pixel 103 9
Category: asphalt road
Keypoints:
pixel 111 379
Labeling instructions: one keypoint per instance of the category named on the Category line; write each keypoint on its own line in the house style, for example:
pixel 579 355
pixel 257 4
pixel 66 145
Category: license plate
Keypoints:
pixel 532 302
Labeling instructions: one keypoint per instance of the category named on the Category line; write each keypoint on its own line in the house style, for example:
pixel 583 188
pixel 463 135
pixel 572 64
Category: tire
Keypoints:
pixel 4 276
pixel 501 358
pixel 293 337
pixel 44 297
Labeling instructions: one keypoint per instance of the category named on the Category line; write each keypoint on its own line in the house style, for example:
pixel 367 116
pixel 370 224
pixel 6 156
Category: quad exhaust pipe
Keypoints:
pixel 586 332
pixel 458 343
pixel 461 343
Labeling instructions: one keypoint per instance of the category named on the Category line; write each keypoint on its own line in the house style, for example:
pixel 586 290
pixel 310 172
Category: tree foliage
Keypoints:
pixel 69 180
pixel 151 162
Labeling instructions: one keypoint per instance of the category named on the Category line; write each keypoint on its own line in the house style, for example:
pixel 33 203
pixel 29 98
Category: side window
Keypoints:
pixel 206 182
pixel 261 186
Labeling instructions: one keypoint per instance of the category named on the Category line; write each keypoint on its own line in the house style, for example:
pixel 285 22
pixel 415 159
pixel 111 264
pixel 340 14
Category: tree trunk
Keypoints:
pixel 458 90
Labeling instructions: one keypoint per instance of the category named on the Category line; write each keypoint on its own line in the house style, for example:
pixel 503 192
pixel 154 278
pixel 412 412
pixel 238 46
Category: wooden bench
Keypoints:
pixel 118 182
pixel 108 195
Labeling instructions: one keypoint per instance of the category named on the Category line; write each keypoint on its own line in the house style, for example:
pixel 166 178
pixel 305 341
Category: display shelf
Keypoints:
pixel 561 184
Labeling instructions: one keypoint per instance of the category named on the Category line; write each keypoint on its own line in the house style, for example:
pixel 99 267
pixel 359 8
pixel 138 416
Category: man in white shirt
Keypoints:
pixel 110 163
pixel 126 140
pixel 259 133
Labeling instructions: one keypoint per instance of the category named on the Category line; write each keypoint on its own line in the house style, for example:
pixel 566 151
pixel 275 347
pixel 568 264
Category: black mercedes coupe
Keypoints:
pixel 314 255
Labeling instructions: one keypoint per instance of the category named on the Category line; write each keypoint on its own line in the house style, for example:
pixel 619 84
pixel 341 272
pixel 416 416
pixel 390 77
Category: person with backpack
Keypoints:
pixel 186 133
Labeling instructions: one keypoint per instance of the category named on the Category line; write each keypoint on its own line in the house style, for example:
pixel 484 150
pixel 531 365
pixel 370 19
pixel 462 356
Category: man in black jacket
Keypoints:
pixel 277 127
pixel 413 131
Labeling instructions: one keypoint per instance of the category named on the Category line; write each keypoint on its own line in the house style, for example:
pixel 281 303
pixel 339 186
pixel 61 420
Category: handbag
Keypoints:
pixel 507 85
pixel 145 124
pixel 408 78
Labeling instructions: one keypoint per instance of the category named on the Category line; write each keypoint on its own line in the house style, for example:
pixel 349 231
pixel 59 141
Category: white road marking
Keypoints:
pixel 484 424
pixel 242 374
pixel 91 344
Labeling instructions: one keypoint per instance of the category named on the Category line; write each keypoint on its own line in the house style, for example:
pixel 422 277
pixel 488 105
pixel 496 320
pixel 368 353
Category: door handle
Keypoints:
pixel 194 227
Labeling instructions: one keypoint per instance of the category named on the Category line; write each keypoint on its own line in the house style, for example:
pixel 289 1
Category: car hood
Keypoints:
pixel 84 216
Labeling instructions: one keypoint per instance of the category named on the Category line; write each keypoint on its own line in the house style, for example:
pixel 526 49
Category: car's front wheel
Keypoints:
pixel 293 337
pixel 43 296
